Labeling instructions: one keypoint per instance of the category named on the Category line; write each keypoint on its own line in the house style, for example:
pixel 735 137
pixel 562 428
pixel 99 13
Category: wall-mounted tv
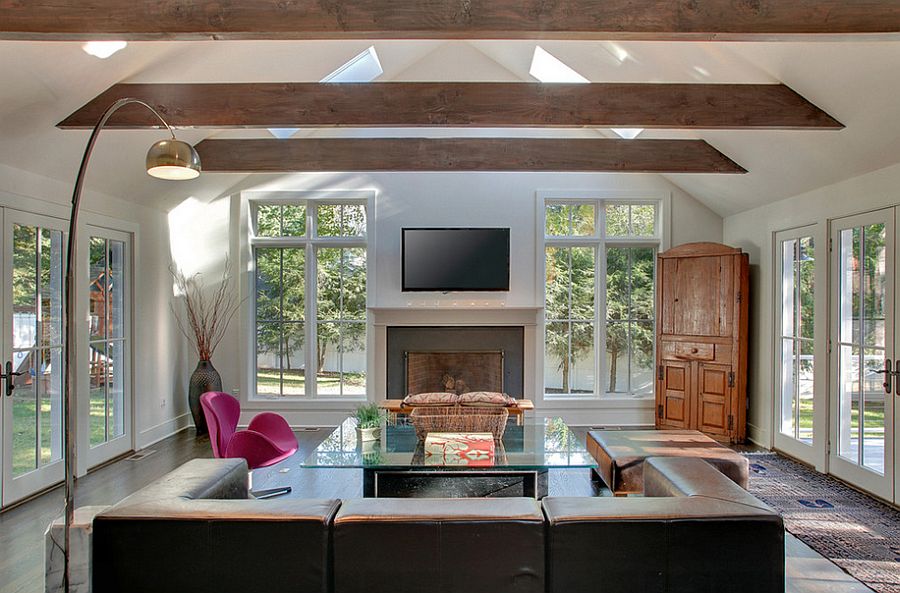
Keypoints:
pixel 444 260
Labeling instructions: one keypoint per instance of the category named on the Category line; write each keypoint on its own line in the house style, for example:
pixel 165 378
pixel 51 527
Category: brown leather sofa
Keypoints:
pixel 402 545
pixel 694 530
pixel 197 531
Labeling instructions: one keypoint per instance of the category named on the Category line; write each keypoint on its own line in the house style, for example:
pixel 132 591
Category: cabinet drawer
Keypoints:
pixel 695 351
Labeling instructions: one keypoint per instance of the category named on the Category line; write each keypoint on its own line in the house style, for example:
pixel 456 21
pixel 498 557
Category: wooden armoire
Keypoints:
pixel 701 353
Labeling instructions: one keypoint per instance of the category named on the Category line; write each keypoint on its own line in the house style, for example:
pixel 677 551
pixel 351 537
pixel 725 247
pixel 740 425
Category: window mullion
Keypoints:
pixel 311 328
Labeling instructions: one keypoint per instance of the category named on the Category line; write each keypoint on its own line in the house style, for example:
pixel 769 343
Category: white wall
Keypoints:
pixel 425 199
pixel 160 364
pixel 753 231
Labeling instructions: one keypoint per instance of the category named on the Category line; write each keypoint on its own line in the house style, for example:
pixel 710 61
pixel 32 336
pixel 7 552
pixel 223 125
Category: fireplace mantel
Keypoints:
pixel 456 315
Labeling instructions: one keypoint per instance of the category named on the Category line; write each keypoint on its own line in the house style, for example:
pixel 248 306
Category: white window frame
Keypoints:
pixel 814 453
pixel 97 225
pixel 600 243
pixel 310 242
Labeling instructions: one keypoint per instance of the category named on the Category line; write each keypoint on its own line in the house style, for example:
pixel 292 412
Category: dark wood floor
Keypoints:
pixel 22 527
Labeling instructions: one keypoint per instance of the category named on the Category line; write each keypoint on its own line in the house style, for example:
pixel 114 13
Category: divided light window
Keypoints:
pixel 600 266
pixel 310 298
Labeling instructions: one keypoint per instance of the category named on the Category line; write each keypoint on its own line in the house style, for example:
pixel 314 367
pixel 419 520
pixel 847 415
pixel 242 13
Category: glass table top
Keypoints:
pixel 538 443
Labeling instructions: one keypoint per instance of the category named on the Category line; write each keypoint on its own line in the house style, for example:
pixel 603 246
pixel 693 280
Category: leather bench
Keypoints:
pixel 695 530
pixel 620 455
pixel 472 545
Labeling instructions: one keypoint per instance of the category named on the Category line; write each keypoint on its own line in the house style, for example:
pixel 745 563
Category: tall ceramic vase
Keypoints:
pixel 204 378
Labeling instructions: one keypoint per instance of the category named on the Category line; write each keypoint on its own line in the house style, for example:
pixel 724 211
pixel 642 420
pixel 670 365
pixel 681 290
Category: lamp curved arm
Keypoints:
pixel 69 381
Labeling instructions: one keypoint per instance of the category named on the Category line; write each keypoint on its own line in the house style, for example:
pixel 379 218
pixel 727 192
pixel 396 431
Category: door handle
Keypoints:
pixel 897 375
pixel 8 375
pixel 888 383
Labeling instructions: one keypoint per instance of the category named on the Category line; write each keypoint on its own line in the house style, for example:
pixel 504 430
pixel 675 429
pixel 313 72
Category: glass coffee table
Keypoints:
pixel 396 465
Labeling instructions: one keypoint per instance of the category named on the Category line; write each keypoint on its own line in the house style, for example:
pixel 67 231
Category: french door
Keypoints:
pixel 864 357
pixel 33 277
pixel 104 346
pixel 801 375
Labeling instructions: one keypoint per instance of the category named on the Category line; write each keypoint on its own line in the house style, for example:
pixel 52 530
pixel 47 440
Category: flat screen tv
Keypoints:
pixel 445 260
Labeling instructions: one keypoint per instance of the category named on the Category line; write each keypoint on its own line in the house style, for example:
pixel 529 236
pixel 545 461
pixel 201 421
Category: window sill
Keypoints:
pixel 341 403
pixel 603 401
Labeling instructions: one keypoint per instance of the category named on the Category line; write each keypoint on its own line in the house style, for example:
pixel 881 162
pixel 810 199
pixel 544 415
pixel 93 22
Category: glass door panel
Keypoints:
pixel 862 439
pixel 107 340
pixel 32 410
pixel 799 420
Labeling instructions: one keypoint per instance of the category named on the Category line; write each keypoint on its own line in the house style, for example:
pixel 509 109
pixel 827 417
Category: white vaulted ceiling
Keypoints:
pixel 856 82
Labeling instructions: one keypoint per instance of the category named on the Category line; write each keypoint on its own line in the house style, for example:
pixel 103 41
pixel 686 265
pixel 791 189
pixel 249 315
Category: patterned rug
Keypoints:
pixel 858 533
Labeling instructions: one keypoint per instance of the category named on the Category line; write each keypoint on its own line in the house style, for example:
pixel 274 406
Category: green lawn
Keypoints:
pixel 874 418
pixel 24 430
pixel 267 381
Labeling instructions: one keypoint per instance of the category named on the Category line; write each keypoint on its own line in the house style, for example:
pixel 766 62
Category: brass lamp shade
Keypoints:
pixel 173 159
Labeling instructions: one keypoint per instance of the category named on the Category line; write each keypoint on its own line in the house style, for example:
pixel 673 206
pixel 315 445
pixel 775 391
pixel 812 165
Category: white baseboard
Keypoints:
pixel 758 436
pixel 154 434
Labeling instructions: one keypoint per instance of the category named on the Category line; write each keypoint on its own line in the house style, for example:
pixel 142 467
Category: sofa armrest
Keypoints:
pixel 681 476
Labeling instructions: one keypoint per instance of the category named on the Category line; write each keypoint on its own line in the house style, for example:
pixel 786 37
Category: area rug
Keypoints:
pixel 856 532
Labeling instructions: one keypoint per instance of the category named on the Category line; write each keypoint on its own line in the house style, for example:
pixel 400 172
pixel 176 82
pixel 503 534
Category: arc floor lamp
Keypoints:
pixel 167 159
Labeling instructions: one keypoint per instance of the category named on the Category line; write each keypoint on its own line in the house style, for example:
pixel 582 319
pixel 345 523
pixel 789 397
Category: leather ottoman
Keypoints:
pixel 620 455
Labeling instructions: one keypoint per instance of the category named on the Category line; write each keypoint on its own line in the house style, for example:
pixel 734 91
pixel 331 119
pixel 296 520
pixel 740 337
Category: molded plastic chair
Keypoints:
pixel 267 440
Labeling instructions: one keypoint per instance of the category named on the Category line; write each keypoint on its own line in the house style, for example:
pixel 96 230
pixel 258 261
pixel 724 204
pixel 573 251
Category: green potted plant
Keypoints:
pixel 368 422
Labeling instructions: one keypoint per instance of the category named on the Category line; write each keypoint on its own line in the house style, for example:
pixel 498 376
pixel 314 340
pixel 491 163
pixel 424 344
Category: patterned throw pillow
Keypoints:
pixel 430 399
pixel 486 399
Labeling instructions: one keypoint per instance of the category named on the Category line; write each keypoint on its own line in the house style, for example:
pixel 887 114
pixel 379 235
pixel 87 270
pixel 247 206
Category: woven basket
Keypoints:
pixel 459 419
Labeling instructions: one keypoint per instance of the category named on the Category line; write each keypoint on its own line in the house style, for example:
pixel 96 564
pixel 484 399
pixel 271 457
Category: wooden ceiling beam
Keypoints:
pixel 459 104
pixel 463 154
pixel 443 19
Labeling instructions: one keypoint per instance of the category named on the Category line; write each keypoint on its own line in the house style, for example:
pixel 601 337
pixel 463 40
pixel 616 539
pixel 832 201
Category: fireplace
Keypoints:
pixel 454 371
pixel 457 359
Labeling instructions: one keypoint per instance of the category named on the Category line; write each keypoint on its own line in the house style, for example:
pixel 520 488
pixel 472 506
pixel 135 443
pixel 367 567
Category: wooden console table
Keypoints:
pixel 395 406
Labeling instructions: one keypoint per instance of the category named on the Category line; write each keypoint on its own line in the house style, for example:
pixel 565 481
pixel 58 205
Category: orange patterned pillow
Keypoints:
pixel 437 399
pixel 486 399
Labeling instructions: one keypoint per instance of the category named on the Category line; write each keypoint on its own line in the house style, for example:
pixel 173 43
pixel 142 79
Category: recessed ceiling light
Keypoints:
pixel 103 49
pixel 548 68
pixel 627 133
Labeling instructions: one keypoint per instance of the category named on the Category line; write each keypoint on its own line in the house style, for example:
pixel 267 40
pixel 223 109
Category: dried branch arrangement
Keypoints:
pixel 206 318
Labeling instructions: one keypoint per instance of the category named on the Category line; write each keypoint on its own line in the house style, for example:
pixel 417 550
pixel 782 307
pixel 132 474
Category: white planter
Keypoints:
pixel 368 434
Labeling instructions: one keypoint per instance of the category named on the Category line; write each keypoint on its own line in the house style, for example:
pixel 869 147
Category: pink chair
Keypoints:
pixel 267 440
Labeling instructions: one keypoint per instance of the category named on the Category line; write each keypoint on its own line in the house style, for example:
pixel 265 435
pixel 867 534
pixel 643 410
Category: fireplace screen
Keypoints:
pixel 456 372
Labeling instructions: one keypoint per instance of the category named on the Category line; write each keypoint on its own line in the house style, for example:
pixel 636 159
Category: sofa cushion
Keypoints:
pixel 476 545
pixel 433 400
pixel 701 532
pixel 486 399
pixel 187 532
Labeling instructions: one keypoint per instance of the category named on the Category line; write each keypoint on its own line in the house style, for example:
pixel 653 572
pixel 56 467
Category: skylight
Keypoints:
pixel 627 133
pixel 103 49
pixel 282 133
pixel 548 68
pixel 364 67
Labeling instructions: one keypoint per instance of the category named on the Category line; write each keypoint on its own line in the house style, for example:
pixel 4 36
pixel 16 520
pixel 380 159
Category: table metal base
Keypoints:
pixel 449 483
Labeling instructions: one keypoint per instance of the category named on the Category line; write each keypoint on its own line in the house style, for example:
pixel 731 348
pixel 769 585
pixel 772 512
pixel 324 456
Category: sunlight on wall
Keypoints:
pixel 198 236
